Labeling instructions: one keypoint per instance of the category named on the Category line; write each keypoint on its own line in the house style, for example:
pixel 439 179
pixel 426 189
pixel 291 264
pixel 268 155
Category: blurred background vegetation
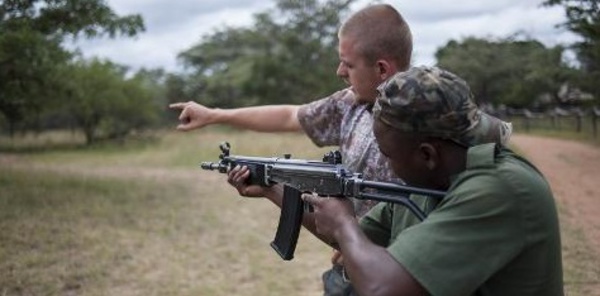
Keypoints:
pixel 287 55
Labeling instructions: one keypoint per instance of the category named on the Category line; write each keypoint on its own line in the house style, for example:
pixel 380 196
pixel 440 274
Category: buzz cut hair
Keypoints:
pixel 379 32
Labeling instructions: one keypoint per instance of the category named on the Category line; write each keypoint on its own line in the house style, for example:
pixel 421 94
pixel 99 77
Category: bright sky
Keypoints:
pixel 174 26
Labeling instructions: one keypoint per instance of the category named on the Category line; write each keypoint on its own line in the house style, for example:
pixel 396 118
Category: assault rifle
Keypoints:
pixel 325 178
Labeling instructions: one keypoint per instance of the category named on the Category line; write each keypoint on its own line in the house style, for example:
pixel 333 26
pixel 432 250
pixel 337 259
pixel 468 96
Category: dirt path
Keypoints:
pixel 573 170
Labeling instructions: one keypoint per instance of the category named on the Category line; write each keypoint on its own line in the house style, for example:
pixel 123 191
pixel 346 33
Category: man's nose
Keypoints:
pixel 342 71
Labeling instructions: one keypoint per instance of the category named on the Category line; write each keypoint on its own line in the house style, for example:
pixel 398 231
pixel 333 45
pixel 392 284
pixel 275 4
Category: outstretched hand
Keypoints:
pixel 192 116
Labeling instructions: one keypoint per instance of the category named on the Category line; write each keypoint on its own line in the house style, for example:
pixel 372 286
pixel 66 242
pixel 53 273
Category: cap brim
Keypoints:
pixel 489 129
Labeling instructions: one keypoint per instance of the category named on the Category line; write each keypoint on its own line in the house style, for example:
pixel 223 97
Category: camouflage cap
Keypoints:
pixel 434 102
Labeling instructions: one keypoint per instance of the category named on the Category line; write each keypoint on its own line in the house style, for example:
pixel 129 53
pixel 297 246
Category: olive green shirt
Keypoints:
pixel 495 233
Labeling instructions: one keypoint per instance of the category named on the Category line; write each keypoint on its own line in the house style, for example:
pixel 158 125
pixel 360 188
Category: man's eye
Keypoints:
pixel 345 64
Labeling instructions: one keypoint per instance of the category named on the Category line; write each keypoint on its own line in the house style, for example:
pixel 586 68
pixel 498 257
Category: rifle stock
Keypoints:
pixel 325 178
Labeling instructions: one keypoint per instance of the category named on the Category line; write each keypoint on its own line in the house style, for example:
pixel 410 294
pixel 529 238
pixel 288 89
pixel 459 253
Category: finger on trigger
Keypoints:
pixel 308 198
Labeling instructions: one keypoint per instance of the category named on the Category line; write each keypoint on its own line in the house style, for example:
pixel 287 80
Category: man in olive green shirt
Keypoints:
pixel 491 231
pixel 495 232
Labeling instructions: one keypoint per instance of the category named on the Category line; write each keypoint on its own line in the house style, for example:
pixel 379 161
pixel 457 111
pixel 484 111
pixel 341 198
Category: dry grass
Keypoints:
pixel 143 219
pixel 581 264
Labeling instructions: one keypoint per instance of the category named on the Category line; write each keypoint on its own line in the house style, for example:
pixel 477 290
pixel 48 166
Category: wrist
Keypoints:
pixel 347 230
pixel 274 193
pixel 216 116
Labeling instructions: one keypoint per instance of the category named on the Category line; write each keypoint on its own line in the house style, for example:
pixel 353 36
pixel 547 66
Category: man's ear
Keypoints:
pixel 385 69
pixel 429 155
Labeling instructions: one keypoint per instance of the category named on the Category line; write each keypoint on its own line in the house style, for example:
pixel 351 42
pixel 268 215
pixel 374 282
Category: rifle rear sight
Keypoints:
pixel 331 157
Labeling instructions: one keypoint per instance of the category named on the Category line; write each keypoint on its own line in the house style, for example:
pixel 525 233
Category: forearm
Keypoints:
pixel 371 268
pixel 276 118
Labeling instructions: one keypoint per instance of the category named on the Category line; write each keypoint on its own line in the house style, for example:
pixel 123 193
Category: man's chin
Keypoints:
pixel 361 99
pixel 362 102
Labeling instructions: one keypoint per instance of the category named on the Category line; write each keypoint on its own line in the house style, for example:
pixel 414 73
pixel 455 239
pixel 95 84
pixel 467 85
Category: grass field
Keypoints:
pixel 143 219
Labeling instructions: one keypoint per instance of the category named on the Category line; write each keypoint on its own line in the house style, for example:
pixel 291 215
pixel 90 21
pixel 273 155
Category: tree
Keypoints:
pixel 583 19
pixel 287 56
pixel 31 33
pixel 181 88
pixel 106 105
pixel 27 74
pixel 154 82
pixel 506 71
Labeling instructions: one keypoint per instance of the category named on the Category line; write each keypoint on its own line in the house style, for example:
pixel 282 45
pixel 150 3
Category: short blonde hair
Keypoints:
pixel 379 31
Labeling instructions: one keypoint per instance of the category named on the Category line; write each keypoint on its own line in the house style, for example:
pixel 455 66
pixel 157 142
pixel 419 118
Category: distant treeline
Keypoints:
pixel 288 55
pixel 580 121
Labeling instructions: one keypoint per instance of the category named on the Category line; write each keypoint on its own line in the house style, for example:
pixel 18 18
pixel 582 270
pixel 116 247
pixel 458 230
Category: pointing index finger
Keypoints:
pixel 177 105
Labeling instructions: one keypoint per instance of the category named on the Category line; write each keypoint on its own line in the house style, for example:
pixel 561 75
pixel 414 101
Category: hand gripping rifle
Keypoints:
pixel 325 178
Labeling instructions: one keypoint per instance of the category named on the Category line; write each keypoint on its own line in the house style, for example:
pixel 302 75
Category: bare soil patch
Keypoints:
pixel 573 170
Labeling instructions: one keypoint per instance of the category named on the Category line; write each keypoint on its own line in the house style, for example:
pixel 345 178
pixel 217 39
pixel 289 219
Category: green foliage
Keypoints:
pixel 287 56
pixel 154 84
pixel 27 73
pixel 31 54
pixel 506 71
pixel 583 19
pixel 104 104
pixel 67 17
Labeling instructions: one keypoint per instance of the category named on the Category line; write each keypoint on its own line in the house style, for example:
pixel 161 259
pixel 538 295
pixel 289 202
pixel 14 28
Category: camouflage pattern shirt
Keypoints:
pixel 338 120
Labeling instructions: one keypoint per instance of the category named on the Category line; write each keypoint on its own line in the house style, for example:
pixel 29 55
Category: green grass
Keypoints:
pixel 68 233
pixel 144 221
pixel 141 218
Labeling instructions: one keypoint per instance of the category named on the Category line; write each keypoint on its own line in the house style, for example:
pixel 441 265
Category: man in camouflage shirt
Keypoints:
pixel 339 121
pixel 374 43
